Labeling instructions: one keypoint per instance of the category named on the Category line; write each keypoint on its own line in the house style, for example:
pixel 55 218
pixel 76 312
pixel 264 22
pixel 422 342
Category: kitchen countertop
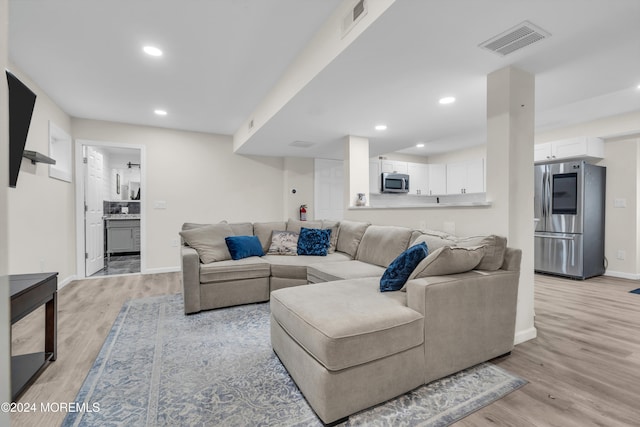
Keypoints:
pixel 427 206
pixel 122 216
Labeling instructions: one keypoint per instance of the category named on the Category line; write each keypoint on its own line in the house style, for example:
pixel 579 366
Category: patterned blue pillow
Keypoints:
pixel 314 241
pixel 243 246
pixel 396 275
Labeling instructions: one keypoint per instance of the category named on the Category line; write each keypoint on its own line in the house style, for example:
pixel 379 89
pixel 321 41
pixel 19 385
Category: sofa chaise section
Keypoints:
pixel 347 346
pixel 465 319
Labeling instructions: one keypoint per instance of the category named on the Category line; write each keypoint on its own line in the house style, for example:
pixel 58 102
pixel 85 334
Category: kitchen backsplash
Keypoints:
pixel 110 207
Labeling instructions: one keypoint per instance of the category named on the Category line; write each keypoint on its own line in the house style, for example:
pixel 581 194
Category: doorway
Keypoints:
pixel 110 193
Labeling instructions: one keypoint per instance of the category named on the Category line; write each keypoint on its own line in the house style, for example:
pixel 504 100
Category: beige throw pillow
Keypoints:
pixel 448 260
pixel 209 242
pixel 433 242
pixel 494 248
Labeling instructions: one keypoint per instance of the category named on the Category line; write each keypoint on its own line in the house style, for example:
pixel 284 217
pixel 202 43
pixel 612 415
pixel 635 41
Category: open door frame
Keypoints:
pixel 80 228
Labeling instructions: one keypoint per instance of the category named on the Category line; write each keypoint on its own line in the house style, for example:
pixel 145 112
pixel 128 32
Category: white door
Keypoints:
pixel 94 228
pixel 329 189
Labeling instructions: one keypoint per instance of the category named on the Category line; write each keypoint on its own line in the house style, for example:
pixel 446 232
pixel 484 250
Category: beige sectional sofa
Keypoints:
pixel 349 346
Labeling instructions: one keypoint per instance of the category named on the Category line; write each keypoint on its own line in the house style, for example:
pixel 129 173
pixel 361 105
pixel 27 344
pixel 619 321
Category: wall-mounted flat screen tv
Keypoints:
pixel 21 103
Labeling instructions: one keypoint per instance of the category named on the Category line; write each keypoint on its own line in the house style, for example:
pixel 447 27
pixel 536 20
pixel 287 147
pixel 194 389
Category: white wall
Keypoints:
pixel 198 177
pixel 621 161
pixel 5 323
pixel 298 175
pixel 41 215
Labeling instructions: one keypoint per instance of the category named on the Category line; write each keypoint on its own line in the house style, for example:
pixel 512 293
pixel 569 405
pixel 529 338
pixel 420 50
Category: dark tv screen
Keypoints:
pixel 21 103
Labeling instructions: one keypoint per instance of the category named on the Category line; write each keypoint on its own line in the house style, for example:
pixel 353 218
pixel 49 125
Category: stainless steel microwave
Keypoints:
pixel 394 183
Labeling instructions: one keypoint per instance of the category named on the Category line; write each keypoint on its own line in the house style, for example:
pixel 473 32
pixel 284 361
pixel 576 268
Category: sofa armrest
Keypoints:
pixel 190 262
pixel 469 318
pixel 512 258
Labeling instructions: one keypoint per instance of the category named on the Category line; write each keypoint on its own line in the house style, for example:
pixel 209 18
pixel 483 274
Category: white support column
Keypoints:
pixel 356 169
pixel 510 136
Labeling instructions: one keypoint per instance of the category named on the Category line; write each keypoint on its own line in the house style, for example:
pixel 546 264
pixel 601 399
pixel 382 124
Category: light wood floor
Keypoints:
pixel 583 369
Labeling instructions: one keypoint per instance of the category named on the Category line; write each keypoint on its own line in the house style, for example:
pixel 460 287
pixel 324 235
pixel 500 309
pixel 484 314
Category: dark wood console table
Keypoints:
pixel 28 292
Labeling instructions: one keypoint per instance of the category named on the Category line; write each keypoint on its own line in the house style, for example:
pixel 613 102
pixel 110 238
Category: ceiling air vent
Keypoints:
pixel 522 35
pixel 354 16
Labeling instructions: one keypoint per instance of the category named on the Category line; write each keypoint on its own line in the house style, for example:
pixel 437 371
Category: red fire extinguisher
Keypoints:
pixel 303 212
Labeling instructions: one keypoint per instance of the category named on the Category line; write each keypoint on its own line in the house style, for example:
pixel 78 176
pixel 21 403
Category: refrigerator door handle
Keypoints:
pixel 544 197
pixel 548 236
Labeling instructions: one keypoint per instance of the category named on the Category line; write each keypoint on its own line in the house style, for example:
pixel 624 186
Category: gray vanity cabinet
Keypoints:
pixel 123 235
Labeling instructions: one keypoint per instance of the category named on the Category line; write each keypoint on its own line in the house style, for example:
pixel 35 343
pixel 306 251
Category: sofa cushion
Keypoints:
pixel 295 225
pixel 332 271
pixel 243 246
pixel 448 260
pixel 313 241
pixel 242 228
pixel 264 229
pixel 398 272
pixel 224 271
pixel 334 226
pixel 433 242
pixel 192 225
pixel 283 243
pixel 209 242
pixel 295 267
pixel 493 247
pixel 350 235
pixel 381 244
pixel 346 323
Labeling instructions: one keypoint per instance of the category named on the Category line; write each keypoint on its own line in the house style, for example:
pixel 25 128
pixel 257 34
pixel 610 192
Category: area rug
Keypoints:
pixel 159 367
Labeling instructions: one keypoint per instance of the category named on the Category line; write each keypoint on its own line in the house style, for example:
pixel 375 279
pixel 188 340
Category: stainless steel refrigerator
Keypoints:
pixel 569 205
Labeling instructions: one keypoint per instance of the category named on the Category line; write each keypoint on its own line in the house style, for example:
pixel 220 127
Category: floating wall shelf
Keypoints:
pixel 36 157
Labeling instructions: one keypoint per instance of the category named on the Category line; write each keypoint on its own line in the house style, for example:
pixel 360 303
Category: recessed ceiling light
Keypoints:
pixel 381 127
pixel 160 112
pixel 152 51
pixel 447 100
pixel 638 86
pixel 420 145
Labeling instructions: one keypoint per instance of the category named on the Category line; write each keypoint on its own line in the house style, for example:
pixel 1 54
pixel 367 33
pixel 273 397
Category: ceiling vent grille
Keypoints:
pixel 516 38
pixel 354 16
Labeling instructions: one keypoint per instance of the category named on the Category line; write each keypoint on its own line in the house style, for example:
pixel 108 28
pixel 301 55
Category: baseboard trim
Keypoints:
pixel 65 282
pixel 161 270
pixel 622 275
pixel 526 335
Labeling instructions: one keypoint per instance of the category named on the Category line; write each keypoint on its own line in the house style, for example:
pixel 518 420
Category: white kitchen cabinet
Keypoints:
pixel 573 148
pixel 465 177
pixel 418 178
pixel 393 166
pixel 437 179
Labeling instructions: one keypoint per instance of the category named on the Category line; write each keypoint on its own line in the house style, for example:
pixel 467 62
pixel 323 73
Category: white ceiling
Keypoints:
pixel 222 57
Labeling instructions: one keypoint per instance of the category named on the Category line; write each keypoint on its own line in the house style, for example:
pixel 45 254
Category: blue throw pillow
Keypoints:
pixel 243 246
pixel 396 275
pixel 314 241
